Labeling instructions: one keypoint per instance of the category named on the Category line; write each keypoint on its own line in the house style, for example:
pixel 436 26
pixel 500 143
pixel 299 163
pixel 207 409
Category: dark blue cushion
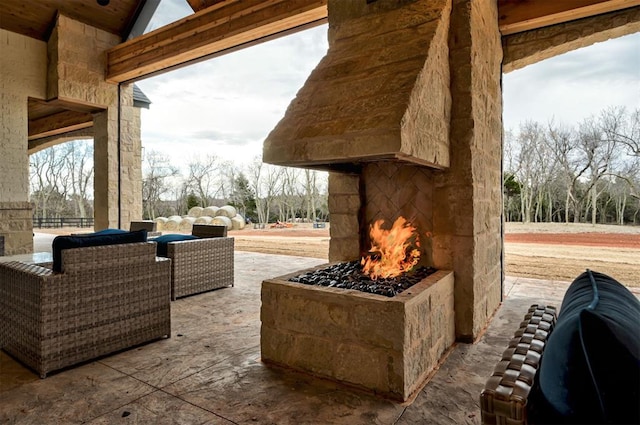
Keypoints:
pixel 163 240
pixel 61 243
pixel 107 232
pixel 590 372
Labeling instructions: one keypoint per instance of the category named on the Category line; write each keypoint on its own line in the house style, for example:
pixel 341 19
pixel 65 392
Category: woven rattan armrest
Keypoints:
pixel 504 397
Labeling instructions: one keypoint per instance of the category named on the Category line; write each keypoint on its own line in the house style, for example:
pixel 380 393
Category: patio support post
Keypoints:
pixel 468 195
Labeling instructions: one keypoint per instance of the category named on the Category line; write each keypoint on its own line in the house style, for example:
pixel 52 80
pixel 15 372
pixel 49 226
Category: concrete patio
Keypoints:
pixel 209 371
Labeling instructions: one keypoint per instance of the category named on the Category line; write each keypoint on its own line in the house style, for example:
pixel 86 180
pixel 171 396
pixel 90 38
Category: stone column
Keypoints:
pixel 23 65
pixel 344 211
pixel 468 219
pixel 117 164
pixel 76 73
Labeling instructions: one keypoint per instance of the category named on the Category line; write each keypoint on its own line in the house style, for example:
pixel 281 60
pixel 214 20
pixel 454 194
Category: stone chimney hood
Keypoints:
pixel 380 93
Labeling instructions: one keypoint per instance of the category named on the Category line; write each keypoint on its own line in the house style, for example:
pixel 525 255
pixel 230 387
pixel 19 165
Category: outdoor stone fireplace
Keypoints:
pixel 378 113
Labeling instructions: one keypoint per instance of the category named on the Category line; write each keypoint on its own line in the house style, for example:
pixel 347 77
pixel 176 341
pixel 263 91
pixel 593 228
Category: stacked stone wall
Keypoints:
pixel 23 67
pixel 76 72
pixel 468 196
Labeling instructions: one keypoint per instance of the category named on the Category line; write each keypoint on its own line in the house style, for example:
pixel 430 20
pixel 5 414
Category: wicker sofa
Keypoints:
pixel 200 265
pixel 581 366
pixel 107 298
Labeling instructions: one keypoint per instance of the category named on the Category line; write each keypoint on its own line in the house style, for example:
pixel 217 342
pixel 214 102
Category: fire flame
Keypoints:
pixel 395 251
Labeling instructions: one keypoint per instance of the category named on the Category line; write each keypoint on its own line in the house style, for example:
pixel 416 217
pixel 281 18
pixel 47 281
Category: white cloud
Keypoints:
pixel 228 105
pixel 574 86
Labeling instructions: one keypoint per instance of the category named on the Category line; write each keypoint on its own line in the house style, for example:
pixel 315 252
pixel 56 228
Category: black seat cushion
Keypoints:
pixel 164 240
pixel 590 371
pixel 104 237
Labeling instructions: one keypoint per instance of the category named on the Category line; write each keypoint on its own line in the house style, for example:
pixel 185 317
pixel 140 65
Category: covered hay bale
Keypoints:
pixel 173 223
pixel 205 219
pixel 160 221
pixel 210 211
pixel 226 211
pixel 186 224
pixel 238 222
pixel 222 221
pixel 195 212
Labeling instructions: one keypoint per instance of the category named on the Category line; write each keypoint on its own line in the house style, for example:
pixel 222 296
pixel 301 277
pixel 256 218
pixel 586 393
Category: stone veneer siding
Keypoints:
pixel 23 67
pixel 380 92
pixel 468 196
pixel 387 345
pixel 77 70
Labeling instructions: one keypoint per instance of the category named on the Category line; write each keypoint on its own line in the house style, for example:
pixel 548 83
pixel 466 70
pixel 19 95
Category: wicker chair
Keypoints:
pixel 108 298
pixel 200 265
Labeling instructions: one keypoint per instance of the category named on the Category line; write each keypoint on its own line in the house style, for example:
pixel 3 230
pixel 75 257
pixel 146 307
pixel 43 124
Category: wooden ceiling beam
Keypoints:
pixel 198 5
pixel 220 27
pixel 59 123
pixel 524 15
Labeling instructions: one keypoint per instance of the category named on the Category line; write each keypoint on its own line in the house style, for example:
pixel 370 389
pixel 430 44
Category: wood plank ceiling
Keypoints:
pixel 217 27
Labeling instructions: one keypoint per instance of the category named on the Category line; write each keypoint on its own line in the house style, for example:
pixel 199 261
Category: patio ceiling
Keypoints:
pixel 218 27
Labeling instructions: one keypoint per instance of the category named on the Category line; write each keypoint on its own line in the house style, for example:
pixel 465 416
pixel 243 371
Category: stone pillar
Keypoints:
pixel 344 212
pixel 76 73
pixel 117 164
pixel 23 65
pixel 105 166
pixel 468 222
pixel 130 159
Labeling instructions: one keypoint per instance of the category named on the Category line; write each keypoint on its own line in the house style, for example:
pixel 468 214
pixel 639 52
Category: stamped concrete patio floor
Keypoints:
pixel 209 371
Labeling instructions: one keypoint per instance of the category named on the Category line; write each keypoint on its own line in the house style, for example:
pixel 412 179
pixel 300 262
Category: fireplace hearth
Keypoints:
pixel 388 345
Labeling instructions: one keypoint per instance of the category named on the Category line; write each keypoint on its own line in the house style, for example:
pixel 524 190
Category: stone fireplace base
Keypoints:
pixel 386 345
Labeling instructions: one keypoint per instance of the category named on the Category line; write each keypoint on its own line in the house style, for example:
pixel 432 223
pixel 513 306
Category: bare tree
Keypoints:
pixel 264 180
pixel 204 178
pixel 79 162
pixel 622 128
pixel 158 172
pixel 48 183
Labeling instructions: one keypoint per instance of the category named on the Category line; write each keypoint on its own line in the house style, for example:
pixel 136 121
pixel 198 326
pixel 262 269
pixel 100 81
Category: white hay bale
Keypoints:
pixel 210 211
pixel 226 211
pixel 195 212
pixel 205 219
pixel 238 222
pixel 222 221
pixel 173 223
pixel 186 225
pixel 160 221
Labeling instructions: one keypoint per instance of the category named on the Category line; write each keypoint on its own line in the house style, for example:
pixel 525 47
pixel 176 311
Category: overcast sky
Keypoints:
pixel 226 106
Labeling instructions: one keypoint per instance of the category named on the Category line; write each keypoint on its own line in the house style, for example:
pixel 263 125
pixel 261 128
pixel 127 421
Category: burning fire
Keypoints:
pixel 395 251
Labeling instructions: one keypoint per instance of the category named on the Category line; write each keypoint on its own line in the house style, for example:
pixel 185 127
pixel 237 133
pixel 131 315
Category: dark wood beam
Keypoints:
pixel 223 26
pixel 59 123
pixel 198 5
pixel 524 15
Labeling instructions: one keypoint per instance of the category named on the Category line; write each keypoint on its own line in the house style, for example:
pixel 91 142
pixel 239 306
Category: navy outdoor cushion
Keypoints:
pixel 61 243
pixel 590 370
pixel 107 232
pixel 163 240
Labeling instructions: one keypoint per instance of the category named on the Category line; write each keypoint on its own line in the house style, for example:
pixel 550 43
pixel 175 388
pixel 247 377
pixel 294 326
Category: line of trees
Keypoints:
pixel 552 172
pixel 261 192
pixel 586 173
pixel 61 180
